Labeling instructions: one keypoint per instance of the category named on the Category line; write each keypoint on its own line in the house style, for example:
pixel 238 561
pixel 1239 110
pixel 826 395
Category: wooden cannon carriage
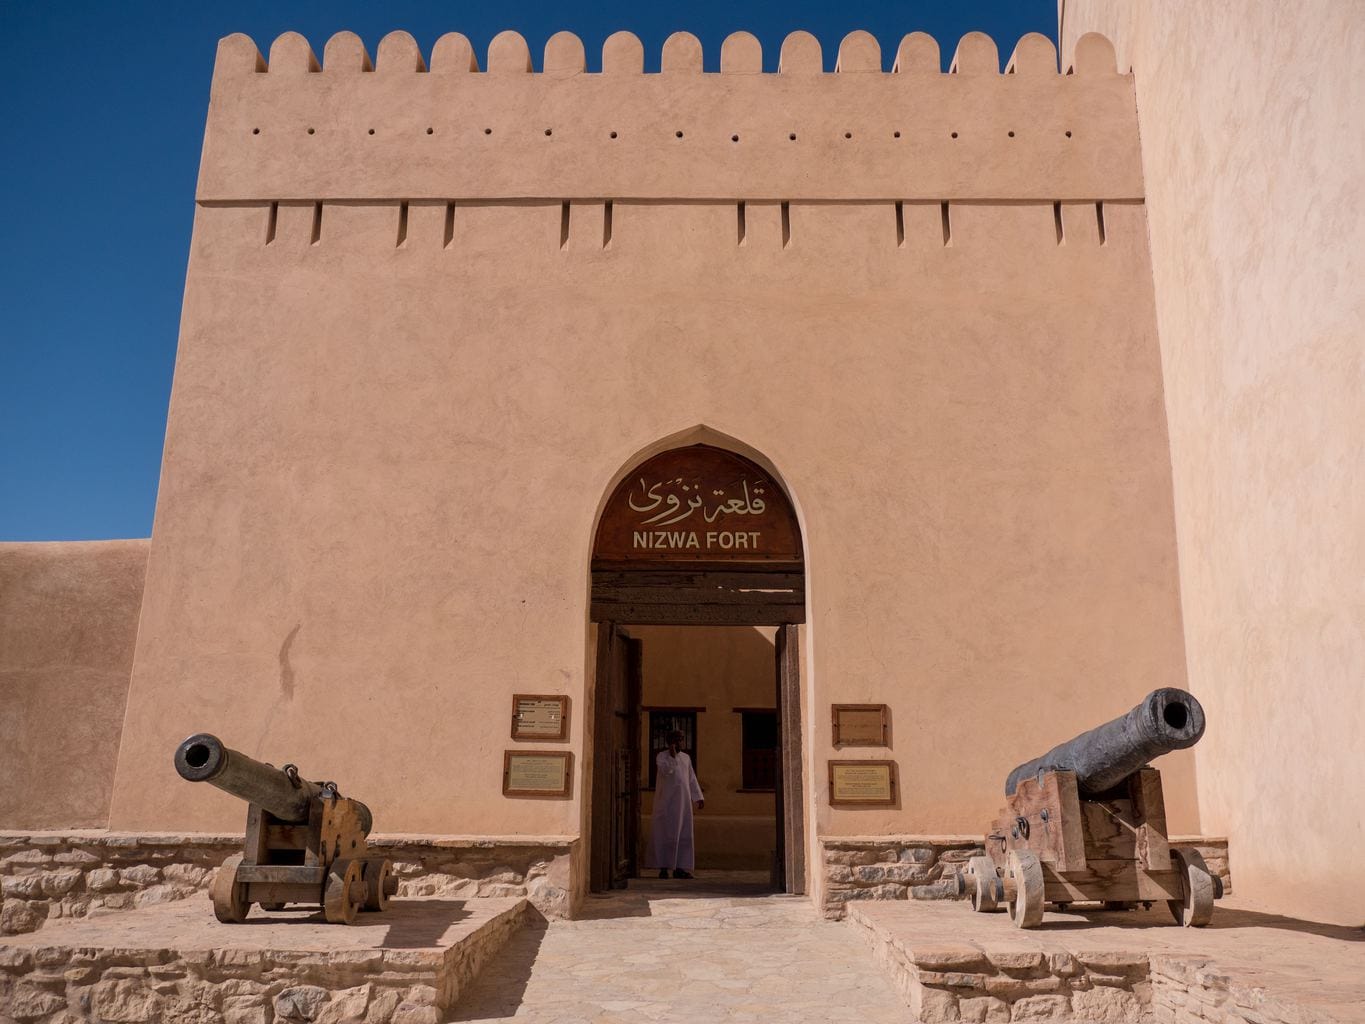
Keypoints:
pixel 1086 822
pixel 305 842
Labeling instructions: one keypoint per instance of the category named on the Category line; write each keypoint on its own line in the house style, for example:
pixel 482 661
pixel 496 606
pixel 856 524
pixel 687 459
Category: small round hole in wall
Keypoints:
pixel 431 131
pixel 848 135
pixel 678 134
pixel 488 131
pixel 954 134
pixel 371 131
pixel 255 131
pixel 792 136
pixel 612 135
pixel 549 131
pixel 734 138
pixel 895 135
pixel 1011 135
pixel 1068 135
pixel 310 131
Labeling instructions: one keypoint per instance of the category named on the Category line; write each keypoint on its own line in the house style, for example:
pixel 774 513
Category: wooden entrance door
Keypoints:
pixel 616 759
pixel 791 822
pixel 692 536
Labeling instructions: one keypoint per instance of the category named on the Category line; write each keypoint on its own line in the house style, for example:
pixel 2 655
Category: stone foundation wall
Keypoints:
pixel 891 868
pixel 50 875
pixel 921 867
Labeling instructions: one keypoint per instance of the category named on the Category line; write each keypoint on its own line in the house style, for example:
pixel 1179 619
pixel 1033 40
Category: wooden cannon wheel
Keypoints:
pixel 1195 908
pixel 1026 908
pixel 376 875
pixel 230 904
pixel 986 891
pixel 341 894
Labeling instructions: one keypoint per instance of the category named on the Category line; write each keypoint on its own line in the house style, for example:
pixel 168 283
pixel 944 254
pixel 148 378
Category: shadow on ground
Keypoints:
pixel 412 923
pixel 640 893
pixel 1224 918
pixel 499 990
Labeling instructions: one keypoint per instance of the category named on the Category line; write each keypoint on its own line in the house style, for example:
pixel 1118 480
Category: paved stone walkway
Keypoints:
pixel 664 953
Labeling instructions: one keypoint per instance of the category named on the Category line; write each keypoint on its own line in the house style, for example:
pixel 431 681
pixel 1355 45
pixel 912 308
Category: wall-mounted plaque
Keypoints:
pixel 539 716
pixel 860 725
pixel 862 783
pixel 536 772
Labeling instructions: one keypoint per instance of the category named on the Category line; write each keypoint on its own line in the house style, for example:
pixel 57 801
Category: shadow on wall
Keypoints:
pixel 498 990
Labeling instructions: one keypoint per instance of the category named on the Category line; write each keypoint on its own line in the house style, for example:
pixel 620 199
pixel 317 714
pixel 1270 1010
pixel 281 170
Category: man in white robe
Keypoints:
pixel 676 795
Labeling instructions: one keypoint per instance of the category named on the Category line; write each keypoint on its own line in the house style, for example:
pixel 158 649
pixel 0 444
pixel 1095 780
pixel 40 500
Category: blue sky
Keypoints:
pixel 103 108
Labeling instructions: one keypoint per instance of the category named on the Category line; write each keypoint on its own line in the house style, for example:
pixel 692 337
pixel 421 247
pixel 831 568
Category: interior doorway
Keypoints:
pixel 698 592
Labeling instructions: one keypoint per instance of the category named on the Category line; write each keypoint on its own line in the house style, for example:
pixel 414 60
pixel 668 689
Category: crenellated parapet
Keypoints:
pixel 410 127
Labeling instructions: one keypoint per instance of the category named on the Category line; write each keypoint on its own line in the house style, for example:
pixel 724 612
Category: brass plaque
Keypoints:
pixel 862 783
pixel 538 716
pixel 860 725
pixel 536 772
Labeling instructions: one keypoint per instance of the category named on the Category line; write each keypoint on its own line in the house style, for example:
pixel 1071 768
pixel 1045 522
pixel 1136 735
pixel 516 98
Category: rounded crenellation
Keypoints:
pixel 856 122
pixel 859 52
pixel 622 52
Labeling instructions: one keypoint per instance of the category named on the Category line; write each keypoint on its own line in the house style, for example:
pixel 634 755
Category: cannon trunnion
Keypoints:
pixel 305 842
pixel 1086 822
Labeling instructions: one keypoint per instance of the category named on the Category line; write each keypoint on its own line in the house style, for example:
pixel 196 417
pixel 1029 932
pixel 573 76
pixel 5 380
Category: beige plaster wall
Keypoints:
pixel 1255 169
pixel 391 426
pixel 719 669
pixel 68 623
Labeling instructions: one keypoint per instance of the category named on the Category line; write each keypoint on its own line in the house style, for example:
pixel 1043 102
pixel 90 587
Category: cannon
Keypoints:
pixel 305 842
pixel 1086 822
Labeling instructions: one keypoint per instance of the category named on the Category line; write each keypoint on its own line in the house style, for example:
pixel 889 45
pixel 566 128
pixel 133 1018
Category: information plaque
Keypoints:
pixel 862 783
pixel 540 716
pixel 536 772
pixel 859 725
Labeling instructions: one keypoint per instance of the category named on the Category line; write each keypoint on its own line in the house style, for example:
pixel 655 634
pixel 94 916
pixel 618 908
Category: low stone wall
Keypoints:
pixel 51 875
pixel 78 980
pixel 1214 850
pixel 891 868
pixel 961 981
pixel 921 867
pixel 956 983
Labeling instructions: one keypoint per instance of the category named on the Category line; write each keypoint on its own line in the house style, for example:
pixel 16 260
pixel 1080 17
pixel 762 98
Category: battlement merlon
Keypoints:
pixel 345 129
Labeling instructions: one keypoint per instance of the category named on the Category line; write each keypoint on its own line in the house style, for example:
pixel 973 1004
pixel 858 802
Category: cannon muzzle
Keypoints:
pixel 204 758
pixel 1168 719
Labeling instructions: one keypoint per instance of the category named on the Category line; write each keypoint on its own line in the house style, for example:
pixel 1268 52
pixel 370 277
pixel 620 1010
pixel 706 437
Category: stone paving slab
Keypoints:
pixel 661 953
pixel 425 929
pixel 1250 964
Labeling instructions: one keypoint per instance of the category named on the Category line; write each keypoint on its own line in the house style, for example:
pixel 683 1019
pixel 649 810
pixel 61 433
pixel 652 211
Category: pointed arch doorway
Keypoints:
pixel 692 536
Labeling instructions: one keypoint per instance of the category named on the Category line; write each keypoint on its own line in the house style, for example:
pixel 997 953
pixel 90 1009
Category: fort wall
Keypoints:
pixel 1257 236
pixel 68 624
pixel 406 378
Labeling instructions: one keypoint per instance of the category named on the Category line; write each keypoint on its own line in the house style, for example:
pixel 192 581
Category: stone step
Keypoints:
pixel 951 964
pixel 176 962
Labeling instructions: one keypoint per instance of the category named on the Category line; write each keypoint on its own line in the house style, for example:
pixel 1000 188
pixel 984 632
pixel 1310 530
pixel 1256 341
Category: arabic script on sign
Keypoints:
pixel 670 502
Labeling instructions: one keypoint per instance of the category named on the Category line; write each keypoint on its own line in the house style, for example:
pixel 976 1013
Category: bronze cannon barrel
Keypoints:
pixel 1168 719
pixel 204 758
